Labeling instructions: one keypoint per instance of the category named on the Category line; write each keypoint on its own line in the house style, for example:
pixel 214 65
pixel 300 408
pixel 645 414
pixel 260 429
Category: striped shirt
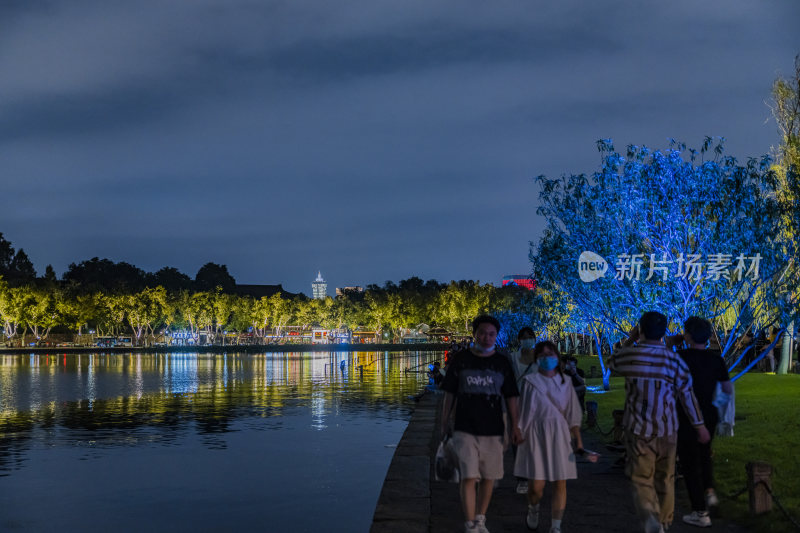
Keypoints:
pixel 654 377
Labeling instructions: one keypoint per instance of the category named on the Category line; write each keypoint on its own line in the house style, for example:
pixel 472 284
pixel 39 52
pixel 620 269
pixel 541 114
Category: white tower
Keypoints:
pixel 319 287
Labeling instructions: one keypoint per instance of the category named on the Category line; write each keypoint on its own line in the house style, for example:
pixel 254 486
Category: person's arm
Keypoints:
pixel 512 402
pixel 575 432
pixel 703 436
pixel 447 411
pixel 581 380
pixel 685 393
pixel 633 336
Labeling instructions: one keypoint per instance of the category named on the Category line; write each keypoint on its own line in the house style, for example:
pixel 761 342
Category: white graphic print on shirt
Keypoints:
pixel 483 381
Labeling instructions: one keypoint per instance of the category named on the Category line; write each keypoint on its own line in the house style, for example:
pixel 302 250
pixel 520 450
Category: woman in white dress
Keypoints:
pixel 550 419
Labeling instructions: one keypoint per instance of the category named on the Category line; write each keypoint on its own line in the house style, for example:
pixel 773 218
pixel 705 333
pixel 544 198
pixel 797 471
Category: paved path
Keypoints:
pixel 599 501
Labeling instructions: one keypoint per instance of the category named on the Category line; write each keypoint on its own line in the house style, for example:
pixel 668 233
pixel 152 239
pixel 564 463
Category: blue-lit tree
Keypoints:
pixel 686 232
pixel 517 307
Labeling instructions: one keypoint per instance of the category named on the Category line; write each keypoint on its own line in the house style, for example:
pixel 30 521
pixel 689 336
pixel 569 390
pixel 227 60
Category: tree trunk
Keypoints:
pixel 786 350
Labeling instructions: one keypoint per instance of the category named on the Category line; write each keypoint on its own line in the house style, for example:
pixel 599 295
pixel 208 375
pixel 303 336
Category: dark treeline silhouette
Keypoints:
pixel 105 275
pixel 15 266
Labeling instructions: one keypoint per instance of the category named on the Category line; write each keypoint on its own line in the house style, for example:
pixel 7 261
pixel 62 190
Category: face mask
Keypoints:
pixel 526 344
pixel 481 349
pixel 548 363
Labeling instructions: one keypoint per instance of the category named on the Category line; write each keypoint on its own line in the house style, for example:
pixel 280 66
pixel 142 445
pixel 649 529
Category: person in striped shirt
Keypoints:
pixel 655 377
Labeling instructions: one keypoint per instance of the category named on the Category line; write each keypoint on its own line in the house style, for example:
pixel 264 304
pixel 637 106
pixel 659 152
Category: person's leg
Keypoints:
pixel 466 449
pixel 485 488
pixel 664 477
pixel 689 454
pixel 535 491
pixel 467 490
pixel 490 468
pixel 522 483
pixel 640 467
pixel 559 502
pixel 706 462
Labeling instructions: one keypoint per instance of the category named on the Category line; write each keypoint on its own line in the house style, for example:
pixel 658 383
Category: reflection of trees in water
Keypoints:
pixel 213 392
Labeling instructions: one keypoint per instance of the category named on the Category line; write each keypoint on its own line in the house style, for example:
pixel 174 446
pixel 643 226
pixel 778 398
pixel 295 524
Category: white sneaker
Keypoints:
pixel 470 527
pixel 698 518
pixel 480 523
pixel 555 529
pixel 522 487
pixel 711 499
pixel 532 520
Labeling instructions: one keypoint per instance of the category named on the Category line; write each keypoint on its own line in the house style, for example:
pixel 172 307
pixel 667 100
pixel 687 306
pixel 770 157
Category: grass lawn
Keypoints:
pixel 767 429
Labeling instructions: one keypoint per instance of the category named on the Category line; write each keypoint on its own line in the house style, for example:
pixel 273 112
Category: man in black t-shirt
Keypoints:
pixel 478 381
pixel 707 368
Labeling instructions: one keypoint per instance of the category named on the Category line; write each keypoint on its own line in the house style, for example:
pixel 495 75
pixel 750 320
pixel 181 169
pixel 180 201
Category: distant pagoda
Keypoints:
pixel 319 287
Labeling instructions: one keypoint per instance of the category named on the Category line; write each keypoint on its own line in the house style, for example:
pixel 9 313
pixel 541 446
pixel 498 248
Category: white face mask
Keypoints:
pixel 482 349
pixel 526 344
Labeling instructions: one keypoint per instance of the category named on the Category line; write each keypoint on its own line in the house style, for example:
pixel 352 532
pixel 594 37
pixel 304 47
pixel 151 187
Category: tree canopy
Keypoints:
pixel 212 275
pixel 682 231
pixel 15 266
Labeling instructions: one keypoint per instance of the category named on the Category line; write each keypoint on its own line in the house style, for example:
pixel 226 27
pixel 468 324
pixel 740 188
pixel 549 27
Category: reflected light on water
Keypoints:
pixel 229 437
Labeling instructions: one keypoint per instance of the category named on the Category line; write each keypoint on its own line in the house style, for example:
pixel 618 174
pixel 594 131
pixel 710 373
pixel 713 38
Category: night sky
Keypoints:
pixel 369 139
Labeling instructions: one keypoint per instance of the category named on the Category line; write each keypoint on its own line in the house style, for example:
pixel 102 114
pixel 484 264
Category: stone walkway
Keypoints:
pixel 599 501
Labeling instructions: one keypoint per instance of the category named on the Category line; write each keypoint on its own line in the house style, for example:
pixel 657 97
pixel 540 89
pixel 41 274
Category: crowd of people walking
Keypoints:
pixel 531 403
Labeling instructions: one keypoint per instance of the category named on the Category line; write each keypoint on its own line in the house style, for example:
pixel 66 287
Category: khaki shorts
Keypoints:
pixel 479 456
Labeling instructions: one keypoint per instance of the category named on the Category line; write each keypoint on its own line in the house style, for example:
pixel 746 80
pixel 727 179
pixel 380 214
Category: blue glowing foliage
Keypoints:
pixel 647 213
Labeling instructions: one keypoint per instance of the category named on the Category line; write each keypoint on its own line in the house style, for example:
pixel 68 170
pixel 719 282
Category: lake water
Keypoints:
pixel 200 442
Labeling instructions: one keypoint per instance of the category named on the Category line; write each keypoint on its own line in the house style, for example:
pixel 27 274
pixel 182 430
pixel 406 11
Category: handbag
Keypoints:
pixel 446 462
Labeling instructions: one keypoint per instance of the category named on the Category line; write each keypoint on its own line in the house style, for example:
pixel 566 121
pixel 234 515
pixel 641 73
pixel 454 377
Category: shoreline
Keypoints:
pixel 241 348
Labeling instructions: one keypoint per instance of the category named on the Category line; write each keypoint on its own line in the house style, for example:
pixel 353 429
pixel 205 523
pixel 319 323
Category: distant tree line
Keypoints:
pixel 119 298
pixel 105 275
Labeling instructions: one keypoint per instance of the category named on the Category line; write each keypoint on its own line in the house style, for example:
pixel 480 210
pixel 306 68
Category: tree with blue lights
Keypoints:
pixel 686 232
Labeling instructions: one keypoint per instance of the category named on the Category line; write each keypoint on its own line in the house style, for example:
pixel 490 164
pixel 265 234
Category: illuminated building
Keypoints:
pixel 319 287
pixel 342 291
pixel 521 281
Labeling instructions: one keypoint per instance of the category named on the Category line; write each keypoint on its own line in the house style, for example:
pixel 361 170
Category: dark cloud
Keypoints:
pixel 86 114
pixel 371 140
pixel 393 54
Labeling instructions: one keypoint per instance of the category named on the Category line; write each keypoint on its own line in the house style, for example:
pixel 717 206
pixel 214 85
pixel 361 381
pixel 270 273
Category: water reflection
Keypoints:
pixel 98 393
pixel 212 442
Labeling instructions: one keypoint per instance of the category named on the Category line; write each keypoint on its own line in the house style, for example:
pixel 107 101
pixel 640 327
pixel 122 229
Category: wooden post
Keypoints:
pixel 759 486
pixel 592 371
